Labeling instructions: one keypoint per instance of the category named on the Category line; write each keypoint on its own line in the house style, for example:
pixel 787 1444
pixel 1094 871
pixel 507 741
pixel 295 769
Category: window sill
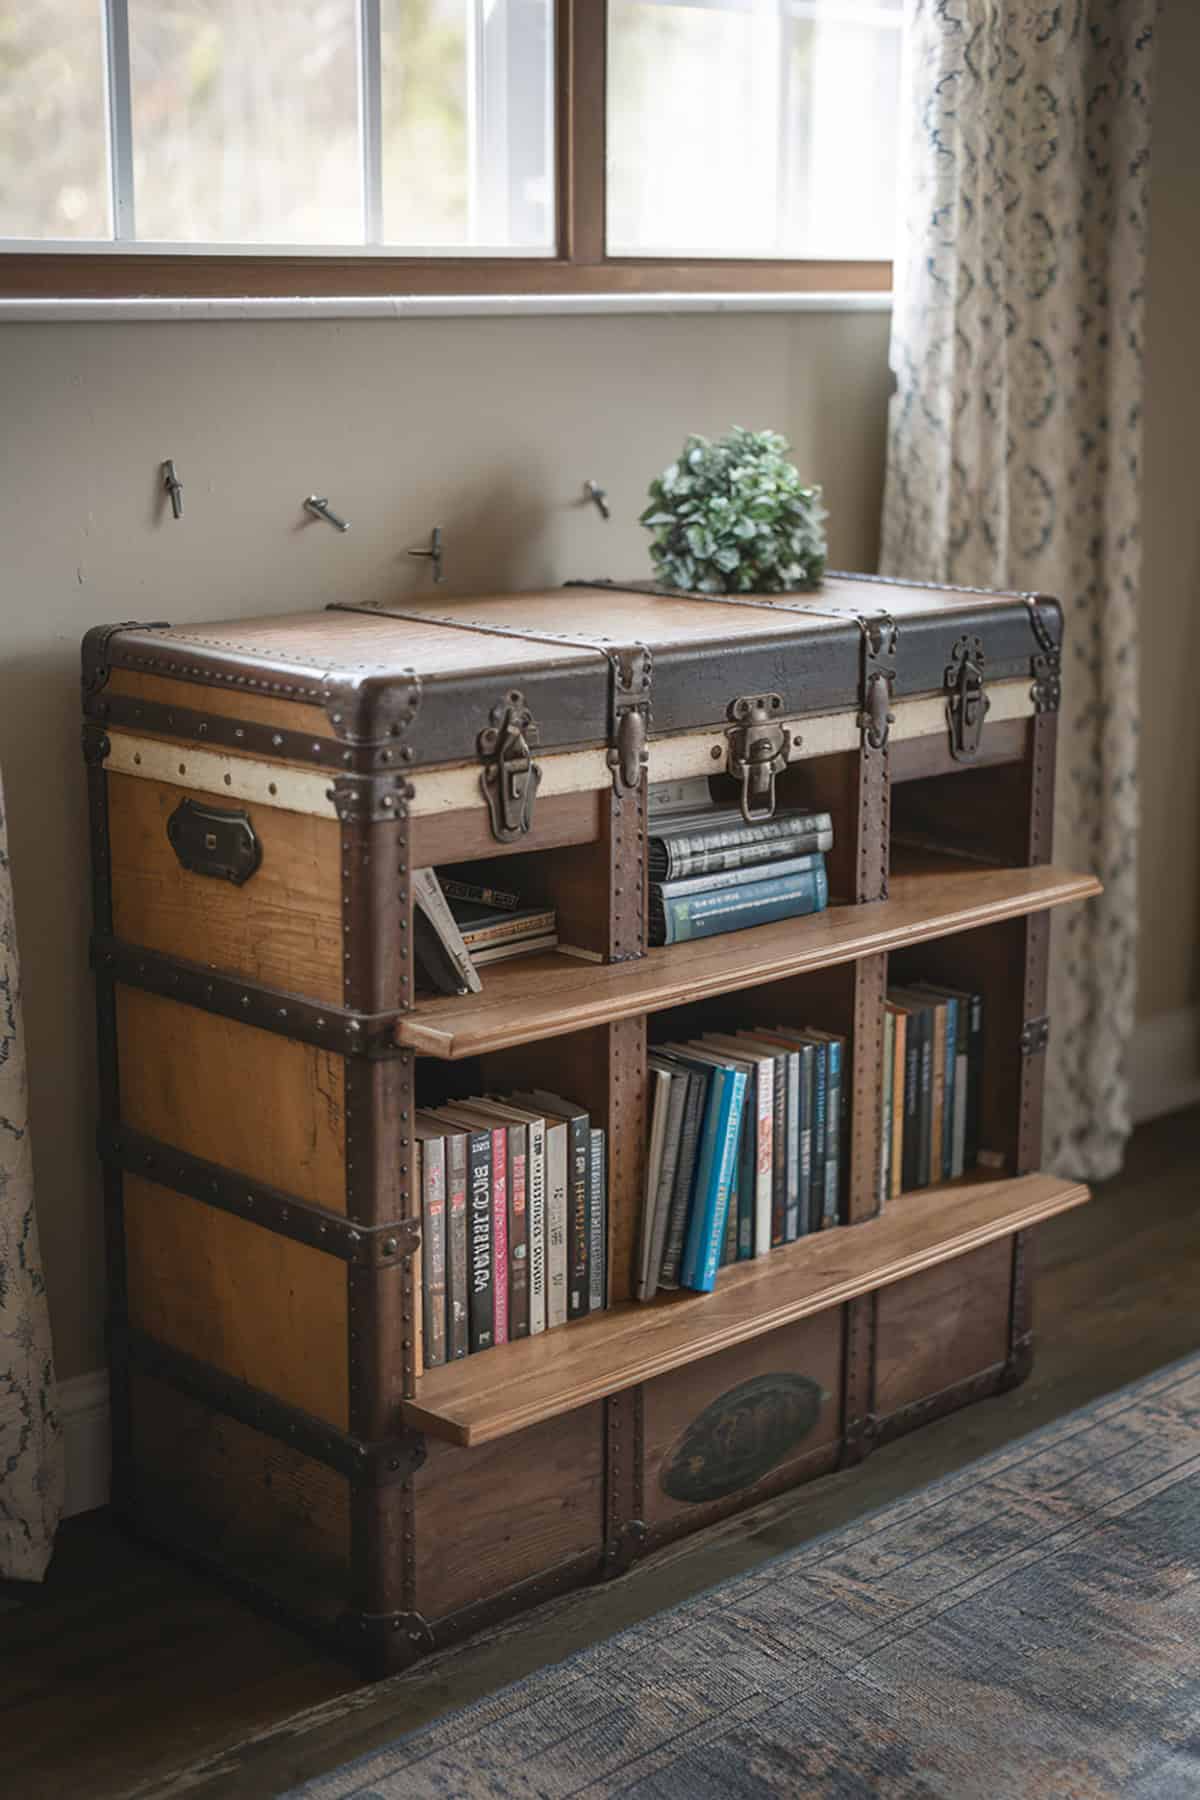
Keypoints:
pixel 38 311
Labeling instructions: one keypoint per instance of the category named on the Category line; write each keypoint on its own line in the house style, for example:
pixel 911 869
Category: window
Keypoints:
pixel 359 146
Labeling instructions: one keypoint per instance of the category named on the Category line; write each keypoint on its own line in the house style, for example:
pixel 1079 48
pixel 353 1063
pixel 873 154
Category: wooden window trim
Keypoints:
pixel 580 267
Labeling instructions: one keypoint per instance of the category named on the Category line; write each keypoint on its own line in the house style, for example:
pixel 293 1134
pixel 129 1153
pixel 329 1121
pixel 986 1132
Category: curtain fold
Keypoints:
pixel 1015 435
pixel 31 1456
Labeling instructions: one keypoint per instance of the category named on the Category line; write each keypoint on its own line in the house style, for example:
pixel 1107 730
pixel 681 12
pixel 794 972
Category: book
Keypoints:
pixel 714 1177
pixel 497 899
pixel 518 1231
pixel 899 1020
pixel 534 1151
pixel 887 1089
pixel 556 1223
pixel 732 878
pixel 658 1107
pixel 918 1106
pixel 698 1079
pixel 432 1149
pixel 732 1054
pixel 757 903
pixel 433 906
pixel 712 839
pixel 476 1114
pixel 968 1073
pixel 758 1163
pixel 578 1195
pixel 481 1268
pixel 911 1095
pixel 680 1080
pixel 826 1208
pixel 598 1222
pixel 792 1135
pixel 432 962
pixel 482 927
pixel 496 953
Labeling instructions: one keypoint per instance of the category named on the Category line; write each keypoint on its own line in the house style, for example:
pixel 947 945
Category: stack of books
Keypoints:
pixel 460 927
pixel 745 1151
pixel 514 1211
pixel 710 871
pixel 932 1084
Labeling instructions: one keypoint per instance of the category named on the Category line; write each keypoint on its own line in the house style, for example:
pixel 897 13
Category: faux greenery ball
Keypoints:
pixel 733 517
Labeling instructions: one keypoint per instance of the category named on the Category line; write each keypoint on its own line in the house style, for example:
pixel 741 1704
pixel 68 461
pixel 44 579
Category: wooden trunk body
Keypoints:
pixel 263 1048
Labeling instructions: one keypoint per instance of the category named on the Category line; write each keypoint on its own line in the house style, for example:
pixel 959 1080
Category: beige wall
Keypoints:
pixel 1168 965
pixel 488 428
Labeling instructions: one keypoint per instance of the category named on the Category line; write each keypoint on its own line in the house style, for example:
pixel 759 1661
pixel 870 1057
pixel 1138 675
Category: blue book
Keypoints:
pixel 714 1179
pixel 709 913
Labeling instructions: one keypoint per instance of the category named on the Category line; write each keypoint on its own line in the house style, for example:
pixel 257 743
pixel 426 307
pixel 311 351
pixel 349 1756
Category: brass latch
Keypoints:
pixel 966 703
pixel 758 752
pixel 510 776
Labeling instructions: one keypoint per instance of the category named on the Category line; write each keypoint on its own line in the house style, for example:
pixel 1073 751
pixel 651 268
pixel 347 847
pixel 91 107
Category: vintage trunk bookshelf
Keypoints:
pixel 260 793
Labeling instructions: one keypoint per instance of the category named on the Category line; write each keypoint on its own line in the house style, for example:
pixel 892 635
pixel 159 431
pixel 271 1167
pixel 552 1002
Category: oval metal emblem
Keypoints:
pixel 741 1436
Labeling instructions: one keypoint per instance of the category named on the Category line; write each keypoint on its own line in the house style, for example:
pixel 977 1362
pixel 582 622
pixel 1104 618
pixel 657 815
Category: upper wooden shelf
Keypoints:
pixel 517 1385
pixel 545 996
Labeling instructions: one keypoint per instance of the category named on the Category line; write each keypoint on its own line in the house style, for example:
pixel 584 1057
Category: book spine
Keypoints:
pixel 715 1207
pixel 802 1061
pixel 925 1099
pixel 685 1175
pixel 974 1080
pixel 899 1066
pixel 518 1232
pixel 480 896
pixel 820 1131
pixel 535 1181
pixel 765 1167
pixel 756 1159
pixel 833 1135
pixel 912 1097
pixel 702 851
pixel 721 882
pixel 951 1059
pixel 779 1153
pixel 483 937
pixel 700 1217
pixel 578 1208
pixel 664 1195
pixel 457 1261
pixel 597 1219
pixel 428 895
pixel 885 1125
pixel 960 1112
pixel 500 1232
pixel 709 915
pixel 793 1223
pixel 937 1104
pixel 556 1225
pixel 482 1305
pixel 433 1251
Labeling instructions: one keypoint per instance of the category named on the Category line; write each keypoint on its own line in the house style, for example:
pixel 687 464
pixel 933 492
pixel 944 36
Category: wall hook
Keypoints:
pixel 599 498
pixel 434 553
pixel 174 487
pixel 320 509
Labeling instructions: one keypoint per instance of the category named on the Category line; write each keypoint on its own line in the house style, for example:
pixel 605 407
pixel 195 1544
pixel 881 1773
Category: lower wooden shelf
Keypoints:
pixel 517 1385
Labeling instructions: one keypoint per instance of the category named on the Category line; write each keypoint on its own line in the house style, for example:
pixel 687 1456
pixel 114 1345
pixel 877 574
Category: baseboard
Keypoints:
pixel 83 1409
pixel 1164 1064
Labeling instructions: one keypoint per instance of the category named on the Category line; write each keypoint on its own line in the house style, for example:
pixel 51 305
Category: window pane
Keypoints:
pixel 753 127
pixel 468 124
pixel 53 121
pixel 245 121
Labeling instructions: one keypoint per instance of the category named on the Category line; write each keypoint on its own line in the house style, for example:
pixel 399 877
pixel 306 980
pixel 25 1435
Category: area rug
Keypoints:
pixel 1027 1627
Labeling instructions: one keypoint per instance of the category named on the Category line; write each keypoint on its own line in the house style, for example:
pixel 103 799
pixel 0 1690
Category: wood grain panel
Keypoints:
pixel 812 1348
pixel 283 927
pixel 485 1519
pixel 940 1327
pixel 264 1105
pixel 219 1488
pixel 261 1307
pixel 222 702
pixel 452 837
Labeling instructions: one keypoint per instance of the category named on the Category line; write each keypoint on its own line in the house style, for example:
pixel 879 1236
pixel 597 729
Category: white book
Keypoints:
pixel 763 1114
pixel 660 1100
pixel 556 1223
pixel 428 895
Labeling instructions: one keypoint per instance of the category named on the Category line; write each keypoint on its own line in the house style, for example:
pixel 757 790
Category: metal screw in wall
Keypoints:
pixel 174 487
pixel 599 498
pixel 434 553
pixel 320 509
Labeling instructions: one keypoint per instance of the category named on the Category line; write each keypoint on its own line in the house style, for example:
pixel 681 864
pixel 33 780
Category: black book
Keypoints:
pixel 911 1155
pixel 481 1302
pixel 434 965
pixel 579 1195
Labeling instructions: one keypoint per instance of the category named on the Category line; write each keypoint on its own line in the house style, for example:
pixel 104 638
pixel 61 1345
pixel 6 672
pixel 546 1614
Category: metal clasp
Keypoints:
pixel 966 703
pixel 628 754
pixel 510 777
pixel 758 752
pixel 876 718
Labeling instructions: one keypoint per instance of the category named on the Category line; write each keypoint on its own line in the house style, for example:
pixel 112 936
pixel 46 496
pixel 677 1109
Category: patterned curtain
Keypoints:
pixel 1015 439
pixel 31 1460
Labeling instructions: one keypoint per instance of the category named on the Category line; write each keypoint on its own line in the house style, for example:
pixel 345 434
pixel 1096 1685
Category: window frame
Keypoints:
pixel 580 265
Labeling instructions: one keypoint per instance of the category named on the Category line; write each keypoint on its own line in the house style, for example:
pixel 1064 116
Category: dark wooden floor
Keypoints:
pixel 124 1675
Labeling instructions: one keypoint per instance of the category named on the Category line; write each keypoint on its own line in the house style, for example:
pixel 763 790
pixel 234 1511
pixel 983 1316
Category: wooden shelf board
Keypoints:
pixel 505 1390
pixel 545 996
